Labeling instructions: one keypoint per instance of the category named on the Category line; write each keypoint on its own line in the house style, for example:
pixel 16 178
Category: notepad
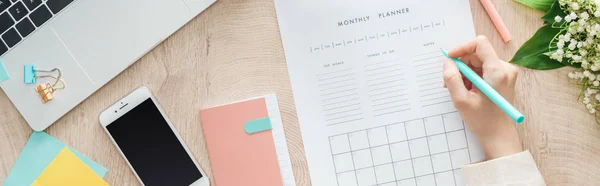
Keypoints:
pixel 68 170
pixel 37 154
pixel 246 143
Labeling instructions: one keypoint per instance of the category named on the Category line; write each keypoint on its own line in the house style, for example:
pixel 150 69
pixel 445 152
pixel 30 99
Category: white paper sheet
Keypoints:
pixel 367 82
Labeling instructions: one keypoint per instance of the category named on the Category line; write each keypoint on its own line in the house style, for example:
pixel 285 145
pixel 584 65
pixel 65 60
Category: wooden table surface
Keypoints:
pixel 233 51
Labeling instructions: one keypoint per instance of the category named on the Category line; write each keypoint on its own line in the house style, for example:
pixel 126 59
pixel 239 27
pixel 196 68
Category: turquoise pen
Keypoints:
pixel 509 109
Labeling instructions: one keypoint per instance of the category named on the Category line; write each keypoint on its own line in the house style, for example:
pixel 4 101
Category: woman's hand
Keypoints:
pixel 493 128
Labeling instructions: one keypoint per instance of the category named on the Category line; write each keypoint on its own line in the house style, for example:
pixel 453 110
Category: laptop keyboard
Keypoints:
pixel 19 18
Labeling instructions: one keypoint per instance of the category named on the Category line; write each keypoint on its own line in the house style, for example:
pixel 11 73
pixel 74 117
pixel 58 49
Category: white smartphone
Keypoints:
pixel 149 143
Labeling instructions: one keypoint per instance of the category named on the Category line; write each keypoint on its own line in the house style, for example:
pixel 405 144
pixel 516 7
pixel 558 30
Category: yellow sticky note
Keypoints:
pixel 68 170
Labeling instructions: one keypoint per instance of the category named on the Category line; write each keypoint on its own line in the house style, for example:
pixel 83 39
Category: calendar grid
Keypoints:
pixel 370 151
pixel 448 143
pixel 429 150
pixel 391 143
pixel 421 152
pixel 409 152
pixel 403 160
pixel 335 168
pixel 390 150
pixel 354 166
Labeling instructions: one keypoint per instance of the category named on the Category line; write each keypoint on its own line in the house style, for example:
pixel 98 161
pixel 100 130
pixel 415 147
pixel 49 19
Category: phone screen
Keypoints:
pixel 152 148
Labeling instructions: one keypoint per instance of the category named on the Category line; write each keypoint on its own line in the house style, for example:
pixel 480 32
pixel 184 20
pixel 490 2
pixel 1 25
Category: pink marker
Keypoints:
pixel 495 17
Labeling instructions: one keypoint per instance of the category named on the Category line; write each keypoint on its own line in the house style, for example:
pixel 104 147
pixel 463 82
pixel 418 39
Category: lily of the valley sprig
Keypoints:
pixel 570 37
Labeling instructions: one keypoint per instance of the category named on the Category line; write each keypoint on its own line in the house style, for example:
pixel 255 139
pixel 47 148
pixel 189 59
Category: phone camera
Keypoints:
pixel 115 111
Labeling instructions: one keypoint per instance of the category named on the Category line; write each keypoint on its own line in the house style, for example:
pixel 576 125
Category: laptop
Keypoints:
pixel 90 41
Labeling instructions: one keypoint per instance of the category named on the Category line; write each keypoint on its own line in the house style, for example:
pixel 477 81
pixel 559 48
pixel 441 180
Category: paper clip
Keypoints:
pixel 46 90
pixel 30 74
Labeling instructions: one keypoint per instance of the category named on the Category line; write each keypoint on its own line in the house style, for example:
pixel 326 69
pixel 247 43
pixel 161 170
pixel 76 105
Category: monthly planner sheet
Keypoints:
pixel 367 82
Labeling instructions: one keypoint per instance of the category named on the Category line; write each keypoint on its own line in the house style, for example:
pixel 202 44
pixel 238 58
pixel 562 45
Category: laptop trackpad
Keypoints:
pixel 106 36
pixel 44 50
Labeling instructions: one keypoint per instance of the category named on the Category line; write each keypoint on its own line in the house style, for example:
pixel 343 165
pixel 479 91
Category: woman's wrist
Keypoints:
pixel 503 143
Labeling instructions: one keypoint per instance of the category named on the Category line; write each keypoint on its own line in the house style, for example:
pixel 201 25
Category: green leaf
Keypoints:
pixel 554 11
pixel 543 5
pixel 531 54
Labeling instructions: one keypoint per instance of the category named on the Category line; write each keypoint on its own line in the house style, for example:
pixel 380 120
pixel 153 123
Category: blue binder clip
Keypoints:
pixel 30 74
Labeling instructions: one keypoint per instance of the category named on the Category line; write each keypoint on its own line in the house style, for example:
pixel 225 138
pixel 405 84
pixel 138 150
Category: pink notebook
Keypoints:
pixel 241 157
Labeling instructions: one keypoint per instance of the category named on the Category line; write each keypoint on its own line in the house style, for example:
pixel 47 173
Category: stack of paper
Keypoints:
pixel 47 161
pixel 66 169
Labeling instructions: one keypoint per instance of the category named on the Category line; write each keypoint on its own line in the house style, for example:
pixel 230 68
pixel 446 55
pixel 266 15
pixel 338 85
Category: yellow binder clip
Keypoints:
pixel 46 90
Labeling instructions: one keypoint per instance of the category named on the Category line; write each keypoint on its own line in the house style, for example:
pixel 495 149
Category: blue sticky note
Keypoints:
pixel 37 154
pixel 3 72
pixel 258 125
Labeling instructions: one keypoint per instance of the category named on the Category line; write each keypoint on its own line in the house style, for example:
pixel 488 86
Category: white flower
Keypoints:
pixel 583 15
pixel 560 52
pixel 575 6
pixel 579 44
pixel 572 46
pixel 554 56
pixel 589 106
pixel 592 111
pixel 557 19
pixel 586 73
pixel 572 23
pixel 593 68
pixel 583 52
pixel 571 75
pixel 560 44
pixel 569 55
pixel 586 100
pixel 596 83
pixel 573 16
pixel 576 58
pixel 597 13
pixel 592 77
pixel 597 96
